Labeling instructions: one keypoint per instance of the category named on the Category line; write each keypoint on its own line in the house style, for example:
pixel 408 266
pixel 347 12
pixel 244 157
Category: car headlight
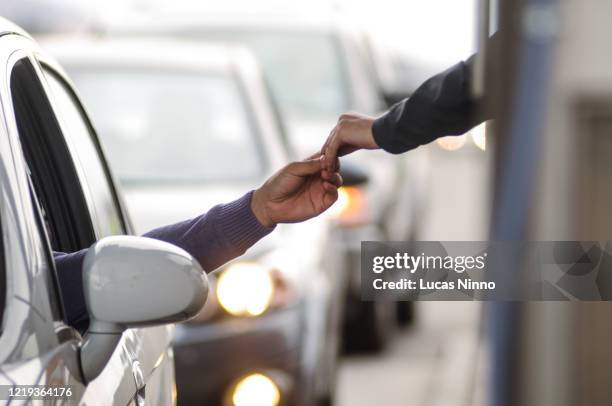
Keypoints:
pixel 256 390
pixel 479 136
pixel 350 208
pixel 245 289
pixel 451 142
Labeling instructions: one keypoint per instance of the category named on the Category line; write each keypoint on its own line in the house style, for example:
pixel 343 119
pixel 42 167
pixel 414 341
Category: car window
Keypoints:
pixel 52 170
pixel 172 127
pixel 302 88
pixel 93 175
pixel 60 208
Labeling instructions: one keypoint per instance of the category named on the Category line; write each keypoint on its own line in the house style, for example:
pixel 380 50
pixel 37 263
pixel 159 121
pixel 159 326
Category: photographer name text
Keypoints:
pixel 404 262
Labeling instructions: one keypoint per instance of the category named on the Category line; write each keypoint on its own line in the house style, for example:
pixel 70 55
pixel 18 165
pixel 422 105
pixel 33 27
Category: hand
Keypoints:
pixel 299 191
pixel 352 132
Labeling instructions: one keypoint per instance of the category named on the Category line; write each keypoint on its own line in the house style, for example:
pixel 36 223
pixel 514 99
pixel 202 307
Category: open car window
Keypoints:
pixel 53 174
pixel 61 208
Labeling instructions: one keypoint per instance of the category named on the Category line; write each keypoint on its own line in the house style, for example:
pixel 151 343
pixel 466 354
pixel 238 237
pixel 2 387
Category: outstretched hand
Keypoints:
pixel 297 192
pixel 352 132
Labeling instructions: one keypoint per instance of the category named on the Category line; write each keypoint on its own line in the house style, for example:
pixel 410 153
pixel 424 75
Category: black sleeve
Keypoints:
pixel 70 274
pixel 441 106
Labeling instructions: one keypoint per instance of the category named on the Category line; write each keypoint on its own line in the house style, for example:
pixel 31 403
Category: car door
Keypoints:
pixel 152 363
pixel 56 198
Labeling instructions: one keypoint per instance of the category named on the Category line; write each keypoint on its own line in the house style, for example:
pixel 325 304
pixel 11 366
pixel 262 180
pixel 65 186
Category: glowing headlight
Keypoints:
pixel 256 390
pixel 350 208
pixel 245 289
pixel 479 136
pixel 452 142
pixel 341 205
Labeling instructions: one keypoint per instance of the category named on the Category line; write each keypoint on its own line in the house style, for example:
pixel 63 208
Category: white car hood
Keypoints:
pixel 154 206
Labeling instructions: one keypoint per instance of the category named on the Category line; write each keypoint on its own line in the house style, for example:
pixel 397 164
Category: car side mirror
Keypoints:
pixel 135 282
pixel 353 175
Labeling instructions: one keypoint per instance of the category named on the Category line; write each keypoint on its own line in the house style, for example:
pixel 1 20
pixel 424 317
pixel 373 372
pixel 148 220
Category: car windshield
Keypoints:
pixel 161 126
pixel 304 69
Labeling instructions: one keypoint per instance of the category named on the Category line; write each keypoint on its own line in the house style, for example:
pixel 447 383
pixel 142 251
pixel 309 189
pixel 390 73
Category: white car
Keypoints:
pixel 317 68
pixel 59 196
pixel 187 126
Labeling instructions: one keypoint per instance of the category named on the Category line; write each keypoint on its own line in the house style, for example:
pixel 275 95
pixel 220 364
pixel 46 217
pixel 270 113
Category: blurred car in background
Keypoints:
pixel 187 126
pixel 398 75
pixel 317 69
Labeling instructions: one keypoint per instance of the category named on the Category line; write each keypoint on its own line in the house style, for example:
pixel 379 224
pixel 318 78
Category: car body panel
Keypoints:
pixel 32 351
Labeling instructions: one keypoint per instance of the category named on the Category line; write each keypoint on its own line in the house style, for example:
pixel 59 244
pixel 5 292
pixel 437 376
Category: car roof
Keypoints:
pixel 203 22
pixel 150 52
pixel 242 15
pixel 8 27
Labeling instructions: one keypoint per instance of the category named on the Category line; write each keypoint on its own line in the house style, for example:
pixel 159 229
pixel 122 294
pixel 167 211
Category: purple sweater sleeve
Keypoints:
pixel 220 235
pixel 223 233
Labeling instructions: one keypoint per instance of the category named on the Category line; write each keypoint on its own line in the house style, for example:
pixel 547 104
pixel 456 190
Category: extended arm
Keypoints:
pixel 443 105
pixel 297 192
pixel 223 233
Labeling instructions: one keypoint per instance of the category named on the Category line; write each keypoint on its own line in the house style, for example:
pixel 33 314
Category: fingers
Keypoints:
pixel 336 165
pixel 331 149
pixel 329 187
pixel 330 196
pixel 331 182
pixel 331 135
pixel 332 177
pixel 306 167
pixel 336 143
pixel 334 168
pixel 311 165
pixel 352 132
